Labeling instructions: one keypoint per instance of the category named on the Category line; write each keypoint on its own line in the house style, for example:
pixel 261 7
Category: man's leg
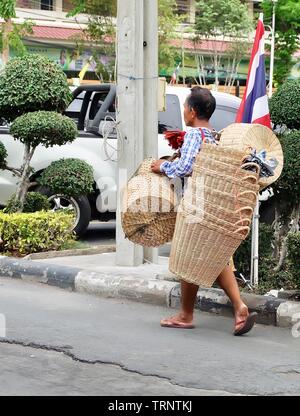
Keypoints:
pixel 188 297
pixel 228 283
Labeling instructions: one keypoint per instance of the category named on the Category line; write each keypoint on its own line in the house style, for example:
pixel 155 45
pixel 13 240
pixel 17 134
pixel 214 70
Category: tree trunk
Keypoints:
pixel 290 225
pixel 6 29
pixel 24 183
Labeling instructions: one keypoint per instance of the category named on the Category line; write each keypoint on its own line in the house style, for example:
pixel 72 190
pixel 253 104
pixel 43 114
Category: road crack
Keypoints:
pixel 66 351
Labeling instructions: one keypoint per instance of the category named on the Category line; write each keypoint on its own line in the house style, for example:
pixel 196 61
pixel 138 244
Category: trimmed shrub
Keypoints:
pixel 293 245
pixel 70 177
pixel 45 128
pixel 34 201
pixel 40 231
pixel 288 277
pixel 289 182
pixel 31 83
pixel 3 156
pixel 285 105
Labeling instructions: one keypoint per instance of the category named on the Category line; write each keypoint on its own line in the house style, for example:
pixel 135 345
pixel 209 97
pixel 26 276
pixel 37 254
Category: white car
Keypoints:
pixel 91 104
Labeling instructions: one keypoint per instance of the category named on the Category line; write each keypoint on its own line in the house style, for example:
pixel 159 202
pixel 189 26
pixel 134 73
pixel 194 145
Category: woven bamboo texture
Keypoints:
pixel 214 216
pixel 241 136
pixel 148 208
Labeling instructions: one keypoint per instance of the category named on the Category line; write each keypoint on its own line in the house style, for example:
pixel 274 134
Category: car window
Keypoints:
pixel 171 118
pixel 222 117
pixel 76 104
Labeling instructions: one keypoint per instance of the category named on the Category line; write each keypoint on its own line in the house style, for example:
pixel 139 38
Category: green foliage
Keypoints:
pixel 7 8
pixel 44 127
pixel 242 256
pixel 70 177
pixel 288 185
pixel 40 231
pixel 101 25
pixel 287 29
pixel 222 18
pixel 293 245
pixel 31 83
pixel 3 156
pixel 285 105
pixel 168 21
pixel 34 201
pixel 288 277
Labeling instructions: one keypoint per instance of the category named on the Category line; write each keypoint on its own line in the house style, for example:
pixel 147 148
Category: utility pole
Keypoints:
pixel 137 65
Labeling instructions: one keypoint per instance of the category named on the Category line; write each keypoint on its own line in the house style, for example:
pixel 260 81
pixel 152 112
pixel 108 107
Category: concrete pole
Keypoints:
pixel 272 52
pixel 130 102
pixel 150 92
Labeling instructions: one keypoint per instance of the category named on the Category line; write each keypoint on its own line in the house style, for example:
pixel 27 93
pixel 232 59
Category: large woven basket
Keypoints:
pixel 148 208
pixel 199 252
pixel 241 136
pixel 212 223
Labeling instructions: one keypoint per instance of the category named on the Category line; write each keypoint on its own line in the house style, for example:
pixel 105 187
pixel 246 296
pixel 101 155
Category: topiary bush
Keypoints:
pixel 288 185
pixel 3 156
pixel 34 201
pixel 45 128
pixel 31 83
pixel 40 231
pixel 70 177
pixel 285 105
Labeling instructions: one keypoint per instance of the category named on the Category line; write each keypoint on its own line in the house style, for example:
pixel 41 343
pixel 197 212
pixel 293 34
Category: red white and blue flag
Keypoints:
pixel 254 107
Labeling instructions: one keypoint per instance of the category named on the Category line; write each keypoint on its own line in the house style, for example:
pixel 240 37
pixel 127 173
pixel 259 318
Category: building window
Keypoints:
pixel 46 4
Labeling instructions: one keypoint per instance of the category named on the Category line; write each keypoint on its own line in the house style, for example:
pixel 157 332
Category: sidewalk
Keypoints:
pixel 97 274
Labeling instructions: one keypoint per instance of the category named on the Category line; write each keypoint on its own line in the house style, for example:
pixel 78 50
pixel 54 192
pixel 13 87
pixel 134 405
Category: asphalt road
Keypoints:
pixel 64 343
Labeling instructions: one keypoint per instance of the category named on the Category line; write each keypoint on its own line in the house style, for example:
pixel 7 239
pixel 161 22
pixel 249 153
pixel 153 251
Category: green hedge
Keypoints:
pixel 288 277
pixel 3 156
pixel 293 258
pixel 69 177
pixel 40 231
pixel 31 83
pixel 34 201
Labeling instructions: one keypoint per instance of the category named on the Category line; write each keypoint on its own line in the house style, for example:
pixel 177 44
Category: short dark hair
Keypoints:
pixel 202 102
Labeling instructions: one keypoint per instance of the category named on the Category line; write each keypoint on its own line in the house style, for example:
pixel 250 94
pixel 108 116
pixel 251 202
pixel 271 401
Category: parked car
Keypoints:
pixel 90 105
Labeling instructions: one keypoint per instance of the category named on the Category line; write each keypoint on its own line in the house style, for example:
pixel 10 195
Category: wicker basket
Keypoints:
pixel 199 252
pixel 149 208
pixel 212 222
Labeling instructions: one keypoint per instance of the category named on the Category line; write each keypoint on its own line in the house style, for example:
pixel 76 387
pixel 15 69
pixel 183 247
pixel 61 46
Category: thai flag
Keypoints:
pixel 254 107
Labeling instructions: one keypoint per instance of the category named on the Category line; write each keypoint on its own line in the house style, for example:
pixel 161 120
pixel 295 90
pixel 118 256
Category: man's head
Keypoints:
pixel 199 104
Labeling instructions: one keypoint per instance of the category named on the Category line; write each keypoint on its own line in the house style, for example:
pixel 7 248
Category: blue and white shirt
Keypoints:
pixel 189 150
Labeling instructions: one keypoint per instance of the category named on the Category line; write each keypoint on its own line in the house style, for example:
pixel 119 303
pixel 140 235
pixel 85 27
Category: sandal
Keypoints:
pixel 248 324
pixel 171 323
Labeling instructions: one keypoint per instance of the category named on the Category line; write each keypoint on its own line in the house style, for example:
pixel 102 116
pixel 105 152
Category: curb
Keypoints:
pixel 271 311
pixel 107 248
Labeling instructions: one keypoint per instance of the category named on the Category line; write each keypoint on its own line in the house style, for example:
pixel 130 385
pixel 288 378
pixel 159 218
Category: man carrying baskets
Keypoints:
pixel 198 109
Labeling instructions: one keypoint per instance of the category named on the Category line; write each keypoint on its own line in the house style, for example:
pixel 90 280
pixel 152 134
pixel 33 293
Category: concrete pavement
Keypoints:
pixel 82 342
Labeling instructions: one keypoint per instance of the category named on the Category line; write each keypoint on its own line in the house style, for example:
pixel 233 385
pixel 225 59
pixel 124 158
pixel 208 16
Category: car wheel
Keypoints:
pixel 78 204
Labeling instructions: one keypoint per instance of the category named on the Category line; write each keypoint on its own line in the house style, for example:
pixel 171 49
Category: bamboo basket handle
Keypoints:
pixel 240 230
pixel 252 164
pixel 249 177
pixel 247 192
pixel 244 209
pixel 248 220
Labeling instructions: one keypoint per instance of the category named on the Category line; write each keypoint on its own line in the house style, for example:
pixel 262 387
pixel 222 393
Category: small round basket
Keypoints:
pixel 149 208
